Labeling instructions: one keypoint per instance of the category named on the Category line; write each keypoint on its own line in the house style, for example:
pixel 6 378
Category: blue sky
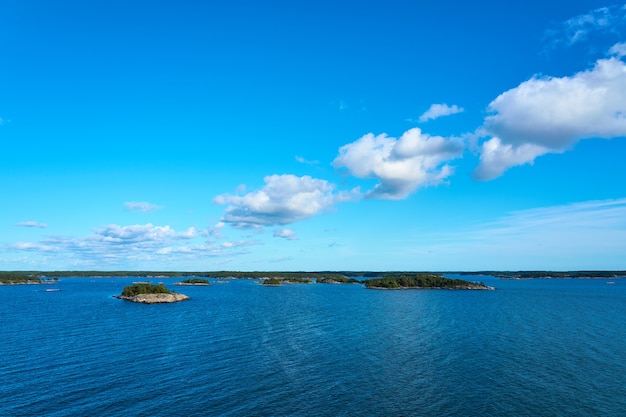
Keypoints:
pixel 344 135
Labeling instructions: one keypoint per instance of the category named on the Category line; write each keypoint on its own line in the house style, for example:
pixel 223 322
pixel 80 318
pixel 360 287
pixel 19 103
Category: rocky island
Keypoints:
pixel 424 281
pixel 147 293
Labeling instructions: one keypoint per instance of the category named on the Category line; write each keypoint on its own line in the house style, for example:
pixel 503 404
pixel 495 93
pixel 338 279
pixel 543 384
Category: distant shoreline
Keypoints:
pixel 311 274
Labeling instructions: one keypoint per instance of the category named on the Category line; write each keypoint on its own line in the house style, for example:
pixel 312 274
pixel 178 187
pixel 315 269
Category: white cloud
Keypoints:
pixel 215 231
pixel 284 199
pixel 439 110
pixel 496 157
pixel 141 206
pixel 303 160
pixel 549 115
pixel 618 50
pixel 32 247
pixel 604 20
pixel 32 224
pixel 400 165
pixel 285 233
pixel 237 244
pixel 136 233
pixel 188 234
pixel 126 245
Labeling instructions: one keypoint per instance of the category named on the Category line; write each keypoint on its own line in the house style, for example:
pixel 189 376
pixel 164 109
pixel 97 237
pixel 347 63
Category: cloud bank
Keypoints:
pixel 400 165
pixel 550 114
pixel 132 245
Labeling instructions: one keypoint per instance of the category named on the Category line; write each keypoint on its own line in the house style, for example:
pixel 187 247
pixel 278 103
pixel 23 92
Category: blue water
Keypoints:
pixel 538 347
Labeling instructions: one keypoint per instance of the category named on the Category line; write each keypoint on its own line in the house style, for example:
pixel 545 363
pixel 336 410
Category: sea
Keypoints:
pixel 541 347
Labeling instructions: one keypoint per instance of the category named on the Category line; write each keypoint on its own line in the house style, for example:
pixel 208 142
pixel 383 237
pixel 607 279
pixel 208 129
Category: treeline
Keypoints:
pixel 196 281
pixel 144 288
pixel 294 276
pixel 291 275
pixel 117 274
pixel 274 280
pixel 338 280
pixel 549 274
pixel 320 276
pixel 420 281
pixel 18 277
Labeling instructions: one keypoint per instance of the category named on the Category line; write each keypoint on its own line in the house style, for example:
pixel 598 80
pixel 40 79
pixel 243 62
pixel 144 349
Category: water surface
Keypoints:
pixel 532 347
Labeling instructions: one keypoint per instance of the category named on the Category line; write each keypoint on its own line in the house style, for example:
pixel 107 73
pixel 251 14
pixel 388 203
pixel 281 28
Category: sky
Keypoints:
pixel 313 135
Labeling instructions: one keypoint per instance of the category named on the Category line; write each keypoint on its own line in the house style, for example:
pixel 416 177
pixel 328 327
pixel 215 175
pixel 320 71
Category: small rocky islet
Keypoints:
pixel 147 293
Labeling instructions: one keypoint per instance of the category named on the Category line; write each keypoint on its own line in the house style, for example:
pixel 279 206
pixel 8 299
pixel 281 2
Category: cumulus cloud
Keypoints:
pixel 400 165
pixel 285 233
pixel 32 224
pixel 439 110
pixel 284 199
pixel 550 114
pixel 139 233
pixel 141 206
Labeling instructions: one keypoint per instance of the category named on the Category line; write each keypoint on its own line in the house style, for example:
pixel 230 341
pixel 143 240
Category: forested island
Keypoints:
pixel 338 280
pixel 194 281
pixel 18 277
pixel 549 274
pixel 275 281
pixel 147 293
pixel 423 281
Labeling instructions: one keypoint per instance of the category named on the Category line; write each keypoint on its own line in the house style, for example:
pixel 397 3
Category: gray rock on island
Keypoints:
pixel 147 293
pixel 155 298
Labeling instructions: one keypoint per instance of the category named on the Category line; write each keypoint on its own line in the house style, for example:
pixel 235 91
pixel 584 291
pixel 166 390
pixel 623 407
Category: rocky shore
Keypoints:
pixel 154 298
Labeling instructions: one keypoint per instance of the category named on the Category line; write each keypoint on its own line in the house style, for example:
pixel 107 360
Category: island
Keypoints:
pixel 278 281
pixel 423 281
pixel 272 282
pixel 194 281
pixel 147 293
pixel 18 277
pixel 340 279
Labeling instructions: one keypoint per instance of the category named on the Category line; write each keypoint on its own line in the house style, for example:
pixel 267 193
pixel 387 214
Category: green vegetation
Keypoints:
pixel 292 276
pixel 272 282
pixel 16 277
pixel 195 281
pixel 338 280
pixel 144 288
pixel 322 277
pixel 420 281
pixel 549 274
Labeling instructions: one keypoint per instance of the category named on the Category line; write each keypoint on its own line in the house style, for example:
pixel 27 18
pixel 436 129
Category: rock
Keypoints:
pixel 155 298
